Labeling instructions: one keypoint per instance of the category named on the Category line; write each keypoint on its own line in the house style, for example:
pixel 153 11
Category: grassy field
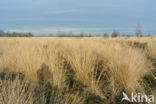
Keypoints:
pixel 91 70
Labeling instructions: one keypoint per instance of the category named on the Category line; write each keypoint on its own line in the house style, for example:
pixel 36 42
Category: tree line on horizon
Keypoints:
pixel 15 34
pixel 63 34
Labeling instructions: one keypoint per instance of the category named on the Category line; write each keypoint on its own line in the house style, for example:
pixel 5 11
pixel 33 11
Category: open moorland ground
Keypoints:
pixel 88 70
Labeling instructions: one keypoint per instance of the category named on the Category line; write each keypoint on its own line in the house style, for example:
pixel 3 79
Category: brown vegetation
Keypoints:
pixel 75 70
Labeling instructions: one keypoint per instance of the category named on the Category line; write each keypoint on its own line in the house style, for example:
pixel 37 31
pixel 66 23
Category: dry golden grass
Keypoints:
pixel 92 70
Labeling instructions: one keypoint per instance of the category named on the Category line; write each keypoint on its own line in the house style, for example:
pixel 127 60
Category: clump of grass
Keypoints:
pixel 134 44
pixel 125 67
pixel 15 91
pixel 152 49
pixel 83 61
pixel 23 91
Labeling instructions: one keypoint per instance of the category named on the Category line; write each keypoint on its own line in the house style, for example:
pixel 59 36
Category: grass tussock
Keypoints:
pixel 75 70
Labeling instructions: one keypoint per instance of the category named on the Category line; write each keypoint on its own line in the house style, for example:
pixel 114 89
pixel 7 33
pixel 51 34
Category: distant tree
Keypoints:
pixel 7 34
pixel 105 35
pixel 2 33
pixel 115 33
pixel 81 34
pixel 61 34
pixel 30 35
pixel 139 30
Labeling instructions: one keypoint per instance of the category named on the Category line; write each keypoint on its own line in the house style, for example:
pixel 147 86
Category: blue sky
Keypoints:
pixel 88 16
